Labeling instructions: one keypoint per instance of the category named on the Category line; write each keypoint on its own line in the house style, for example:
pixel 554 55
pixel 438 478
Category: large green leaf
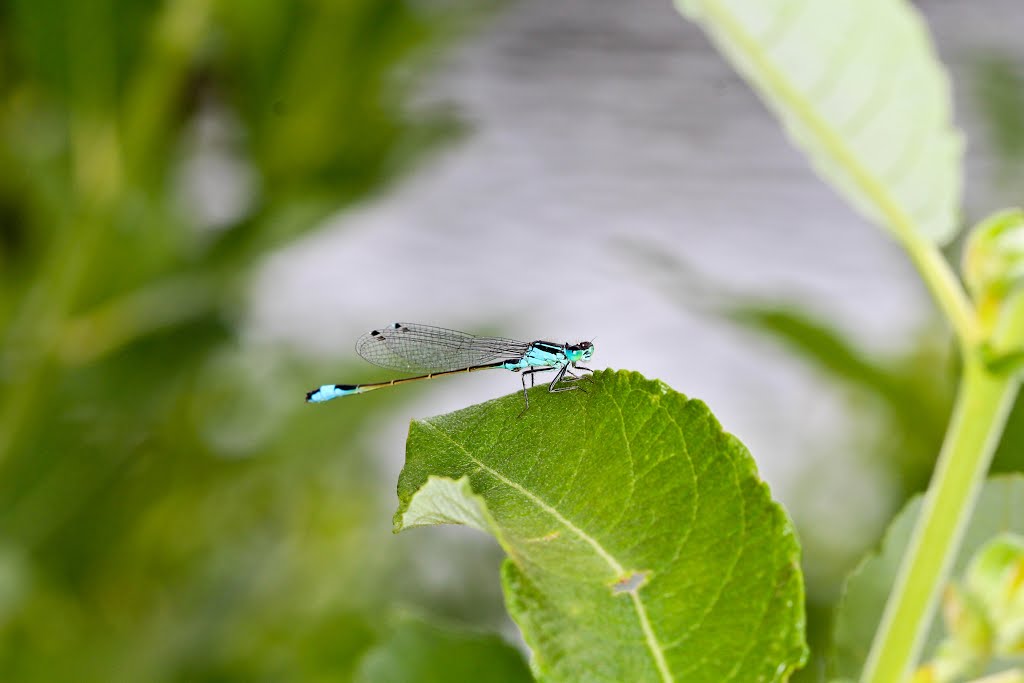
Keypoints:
pixel 418 652
pixel 860 90
pixel 998 510
pixel 642 545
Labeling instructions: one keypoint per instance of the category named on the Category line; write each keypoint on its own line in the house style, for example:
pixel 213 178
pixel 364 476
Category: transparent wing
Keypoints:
pixel 424 348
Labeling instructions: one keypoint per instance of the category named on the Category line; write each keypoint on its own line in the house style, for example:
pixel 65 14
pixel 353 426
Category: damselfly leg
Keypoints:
pixel 531 372
pixel 562 375
pixel 558 378
pixel 570 377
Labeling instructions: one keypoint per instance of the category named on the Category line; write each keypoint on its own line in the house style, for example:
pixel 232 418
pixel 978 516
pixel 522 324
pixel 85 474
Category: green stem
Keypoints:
pixel 983 402
pixel 945 287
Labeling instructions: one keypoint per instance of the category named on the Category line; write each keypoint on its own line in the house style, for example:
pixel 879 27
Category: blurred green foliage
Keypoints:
pixel 998 89
pixel 418 651
pixel 169 510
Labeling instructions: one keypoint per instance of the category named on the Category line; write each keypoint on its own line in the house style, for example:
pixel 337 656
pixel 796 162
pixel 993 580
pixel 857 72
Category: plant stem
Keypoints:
pixel 983 402
pixel 945 287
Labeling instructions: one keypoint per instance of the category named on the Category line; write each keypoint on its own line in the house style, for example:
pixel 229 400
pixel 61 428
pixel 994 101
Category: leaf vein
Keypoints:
pixel 651 639
pixel 900 222
pixel 713 428
pixel 632 468
pixel 764 615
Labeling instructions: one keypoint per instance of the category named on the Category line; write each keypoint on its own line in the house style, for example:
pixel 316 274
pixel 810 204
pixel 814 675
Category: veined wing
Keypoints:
pixel 411 347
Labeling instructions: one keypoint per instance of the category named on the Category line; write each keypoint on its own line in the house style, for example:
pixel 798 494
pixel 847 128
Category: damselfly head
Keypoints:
pixel 577 353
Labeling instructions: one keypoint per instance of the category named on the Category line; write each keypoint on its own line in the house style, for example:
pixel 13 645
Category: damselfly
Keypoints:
pixel 436 352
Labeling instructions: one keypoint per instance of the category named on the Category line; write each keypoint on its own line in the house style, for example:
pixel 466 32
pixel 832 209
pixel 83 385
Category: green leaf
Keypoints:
pixel 994 579
pixel 993 263
pixel 642 545
pixel 417 652
pixel 998 84
pixel 998 510
pixel 859 88
pixel 1009 676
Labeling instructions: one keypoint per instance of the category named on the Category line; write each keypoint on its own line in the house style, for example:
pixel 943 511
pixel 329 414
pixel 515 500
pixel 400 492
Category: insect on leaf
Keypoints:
pixel 642 546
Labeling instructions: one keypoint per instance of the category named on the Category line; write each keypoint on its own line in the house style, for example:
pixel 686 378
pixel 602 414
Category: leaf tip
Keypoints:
pixel 442 500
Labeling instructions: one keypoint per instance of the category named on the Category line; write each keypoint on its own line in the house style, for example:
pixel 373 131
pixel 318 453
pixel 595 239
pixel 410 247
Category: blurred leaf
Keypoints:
pixel 881 134
pixel 994 580
pixel 1009 456
pixel 642 546
pixel 914 400
pixel 999 92
pixel 1009 676
pixel 417 652
pixel 898 384
pixel 867 589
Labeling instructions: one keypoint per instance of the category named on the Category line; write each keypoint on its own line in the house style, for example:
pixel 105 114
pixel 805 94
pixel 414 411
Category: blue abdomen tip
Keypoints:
pixel 329 391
